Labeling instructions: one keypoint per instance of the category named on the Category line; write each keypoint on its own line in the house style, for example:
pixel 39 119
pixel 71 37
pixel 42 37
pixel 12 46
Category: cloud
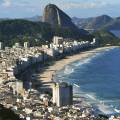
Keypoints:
pixel 6 3
pixel 14 3
pixel 84 5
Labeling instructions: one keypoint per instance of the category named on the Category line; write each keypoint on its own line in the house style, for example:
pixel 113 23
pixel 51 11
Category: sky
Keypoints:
pixel 74 8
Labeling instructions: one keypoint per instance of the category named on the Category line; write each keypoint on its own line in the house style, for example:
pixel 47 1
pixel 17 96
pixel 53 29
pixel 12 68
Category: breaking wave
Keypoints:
pixel 91 96
pixel 105 108
pixel 68 70
pixel 102 106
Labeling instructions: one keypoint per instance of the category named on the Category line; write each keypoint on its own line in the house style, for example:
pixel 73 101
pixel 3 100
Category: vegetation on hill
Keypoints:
pixel 105 38
pixel 37 33
pixel 74 33
pixel 12 31
pixel 113 25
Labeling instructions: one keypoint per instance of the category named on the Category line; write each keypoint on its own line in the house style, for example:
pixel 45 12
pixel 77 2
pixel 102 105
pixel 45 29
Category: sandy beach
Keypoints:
pixel 46 76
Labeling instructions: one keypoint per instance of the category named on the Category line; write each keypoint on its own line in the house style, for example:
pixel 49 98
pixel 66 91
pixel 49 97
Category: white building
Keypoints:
pixel 17 45
pixel 58 44
pixel 1 45
pixel 26 45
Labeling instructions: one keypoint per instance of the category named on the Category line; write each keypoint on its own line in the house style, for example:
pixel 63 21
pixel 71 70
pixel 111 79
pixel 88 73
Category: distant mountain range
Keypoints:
pixel 96 23
pixel 93 23
pixel 34 18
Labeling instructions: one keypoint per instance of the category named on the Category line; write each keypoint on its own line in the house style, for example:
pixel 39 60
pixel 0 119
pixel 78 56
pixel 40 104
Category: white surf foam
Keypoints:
pixel 91 96
pixel 116 110
pixel 101 105
pixel 87 60
pixel 68 70
pixel 78 86
pixel 82 62
pixel 105 108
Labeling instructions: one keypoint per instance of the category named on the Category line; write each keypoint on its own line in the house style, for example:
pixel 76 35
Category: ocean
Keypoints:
pixel 96 79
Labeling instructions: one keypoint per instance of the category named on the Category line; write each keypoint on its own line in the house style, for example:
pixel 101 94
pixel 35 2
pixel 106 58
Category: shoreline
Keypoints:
pixel 48 74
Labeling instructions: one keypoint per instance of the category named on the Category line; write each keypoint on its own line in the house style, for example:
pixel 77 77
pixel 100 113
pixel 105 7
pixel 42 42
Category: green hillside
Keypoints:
pixel 36 33
pixel 105 37
pixel 103 22
pixel 12 31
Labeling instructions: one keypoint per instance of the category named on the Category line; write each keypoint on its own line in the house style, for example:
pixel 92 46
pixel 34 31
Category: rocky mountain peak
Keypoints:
pixel 56 17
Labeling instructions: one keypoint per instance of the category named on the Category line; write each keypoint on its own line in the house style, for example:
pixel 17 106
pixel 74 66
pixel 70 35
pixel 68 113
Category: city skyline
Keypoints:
pixel 74 8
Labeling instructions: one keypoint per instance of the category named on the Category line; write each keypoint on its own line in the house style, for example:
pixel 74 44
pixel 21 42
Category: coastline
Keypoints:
pixel 49 72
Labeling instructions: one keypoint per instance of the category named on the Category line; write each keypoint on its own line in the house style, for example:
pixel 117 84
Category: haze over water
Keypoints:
pixel 116 33
pixel 97 79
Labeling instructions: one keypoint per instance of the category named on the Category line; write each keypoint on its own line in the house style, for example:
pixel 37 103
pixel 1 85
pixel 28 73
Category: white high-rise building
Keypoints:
pixel 26 44
pixel 58 43
pixel 1 45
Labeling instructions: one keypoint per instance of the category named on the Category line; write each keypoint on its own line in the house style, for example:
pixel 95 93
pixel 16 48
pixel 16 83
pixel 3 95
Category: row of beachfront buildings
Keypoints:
pixel 16 59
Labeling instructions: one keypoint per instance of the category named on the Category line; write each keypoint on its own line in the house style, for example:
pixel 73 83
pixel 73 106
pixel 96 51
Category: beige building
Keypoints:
pixel 62 94
pixel 19 87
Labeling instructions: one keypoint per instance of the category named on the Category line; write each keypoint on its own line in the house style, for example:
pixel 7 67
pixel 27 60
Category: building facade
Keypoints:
pixel 1 45
pixel 62 94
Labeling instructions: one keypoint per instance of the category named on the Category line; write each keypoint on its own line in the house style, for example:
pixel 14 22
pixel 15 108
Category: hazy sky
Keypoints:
pixel 78 8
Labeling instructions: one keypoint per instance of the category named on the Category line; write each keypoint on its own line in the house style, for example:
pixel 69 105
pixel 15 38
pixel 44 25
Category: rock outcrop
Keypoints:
pixel 56 17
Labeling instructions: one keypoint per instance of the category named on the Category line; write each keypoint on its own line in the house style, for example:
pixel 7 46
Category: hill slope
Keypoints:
pixel 113 25
pixel 59 19
pixel 12 31
pixel 56 22
pixel 101 22
pixel 105 37
pixel 36 33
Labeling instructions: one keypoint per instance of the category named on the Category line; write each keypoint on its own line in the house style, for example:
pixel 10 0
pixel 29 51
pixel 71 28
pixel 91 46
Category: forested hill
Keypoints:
pixel 36 33
pixel 106 37
pixel 12 31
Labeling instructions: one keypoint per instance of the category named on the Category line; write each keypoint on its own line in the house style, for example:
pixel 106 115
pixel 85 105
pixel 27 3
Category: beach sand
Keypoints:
pixel 46 76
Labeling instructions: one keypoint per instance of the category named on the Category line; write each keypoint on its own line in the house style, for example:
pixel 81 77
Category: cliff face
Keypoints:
pixel 62 23
pixel 56 17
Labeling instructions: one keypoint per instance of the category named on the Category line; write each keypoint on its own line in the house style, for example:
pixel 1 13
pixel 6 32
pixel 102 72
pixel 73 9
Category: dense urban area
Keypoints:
pixel 23 49
pixel 37 104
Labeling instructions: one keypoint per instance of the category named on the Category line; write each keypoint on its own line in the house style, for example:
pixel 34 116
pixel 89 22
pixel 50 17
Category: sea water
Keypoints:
pixel 96 79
